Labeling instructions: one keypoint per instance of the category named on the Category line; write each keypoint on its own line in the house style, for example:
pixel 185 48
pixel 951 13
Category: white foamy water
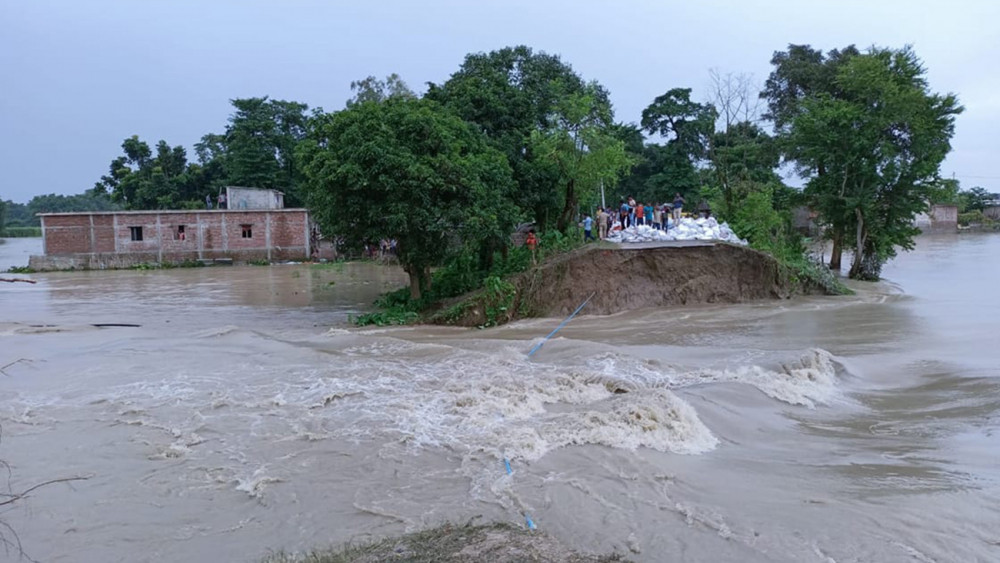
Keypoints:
pixel 244 414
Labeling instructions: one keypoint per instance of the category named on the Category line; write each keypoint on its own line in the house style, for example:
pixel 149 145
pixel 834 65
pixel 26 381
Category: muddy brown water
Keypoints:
pixel 245 414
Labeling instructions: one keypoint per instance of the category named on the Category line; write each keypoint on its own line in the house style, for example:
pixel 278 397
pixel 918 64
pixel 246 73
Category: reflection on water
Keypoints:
pixel 246 414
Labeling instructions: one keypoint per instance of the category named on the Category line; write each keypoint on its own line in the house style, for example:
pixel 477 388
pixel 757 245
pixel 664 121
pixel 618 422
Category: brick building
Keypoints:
pixel 120 239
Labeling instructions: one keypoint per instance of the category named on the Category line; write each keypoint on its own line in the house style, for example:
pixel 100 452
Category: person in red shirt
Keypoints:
pixel 532 243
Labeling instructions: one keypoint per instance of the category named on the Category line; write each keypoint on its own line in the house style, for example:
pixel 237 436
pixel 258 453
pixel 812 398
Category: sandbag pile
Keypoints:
pixel 686 229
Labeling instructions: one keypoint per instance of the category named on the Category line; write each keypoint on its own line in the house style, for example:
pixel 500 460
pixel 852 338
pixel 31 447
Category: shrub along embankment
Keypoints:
pixel 627 278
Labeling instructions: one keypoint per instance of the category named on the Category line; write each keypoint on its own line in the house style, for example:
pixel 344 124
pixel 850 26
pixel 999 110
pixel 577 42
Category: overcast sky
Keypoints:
pixel 79 76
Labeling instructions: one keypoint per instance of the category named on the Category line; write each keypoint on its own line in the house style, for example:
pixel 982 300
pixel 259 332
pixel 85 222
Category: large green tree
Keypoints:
pixel 802 74
pixel 259 145
pixel 407 170
pixel 687 127
pixel 580 145
pixel 509 94
pixel 880 142
pixel 141 179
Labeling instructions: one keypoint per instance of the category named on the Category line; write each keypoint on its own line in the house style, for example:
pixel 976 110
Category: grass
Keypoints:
pixel 492 542
pixel 20 270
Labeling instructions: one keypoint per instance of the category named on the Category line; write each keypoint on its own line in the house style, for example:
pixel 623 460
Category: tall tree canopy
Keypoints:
pixel 801 74
pixel 407 170
pixel 371 89
pixel 508 95
pixel 880 143
pixel 581 146
pixel 260 142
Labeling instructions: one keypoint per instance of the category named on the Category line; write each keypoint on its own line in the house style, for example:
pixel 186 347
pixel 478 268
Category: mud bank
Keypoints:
pixel 630 278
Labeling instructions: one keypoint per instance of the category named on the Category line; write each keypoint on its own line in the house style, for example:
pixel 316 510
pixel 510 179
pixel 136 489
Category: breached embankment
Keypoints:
pixel 622 278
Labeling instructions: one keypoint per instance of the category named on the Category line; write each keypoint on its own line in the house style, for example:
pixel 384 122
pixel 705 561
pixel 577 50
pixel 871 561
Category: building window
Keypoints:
pixel 136 233
pixel 180 232
pixel 247 231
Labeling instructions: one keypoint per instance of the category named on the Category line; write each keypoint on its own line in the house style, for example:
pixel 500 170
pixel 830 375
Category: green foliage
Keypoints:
pixel 807 273
pixel 872 149
pixel 975 199
pixel 372 89
pixel 20 270
pixel 256 150
pixel 260 143
pixel 978 219
pixel 581 147
pixel 498 301
pixel 508 95
pixel 765 228
pixel 259 262
pixel 410 171
pixel 387 317
pixel 22 232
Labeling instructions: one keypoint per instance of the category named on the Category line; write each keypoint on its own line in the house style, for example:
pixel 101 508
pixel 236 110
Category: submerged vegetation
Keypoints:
pixel 500 543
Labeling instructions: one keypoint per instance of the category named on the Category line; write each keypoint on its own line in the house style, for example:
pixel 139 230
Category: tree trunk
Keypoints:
pixel 567 213
pixel 414 282
pixel 838 249
pixel 859 250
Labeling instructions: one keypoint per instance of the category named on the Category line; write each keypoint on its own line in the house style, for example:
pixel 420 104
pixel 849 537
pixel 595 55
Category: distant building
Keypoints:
pixel 939 218
pixel 120 239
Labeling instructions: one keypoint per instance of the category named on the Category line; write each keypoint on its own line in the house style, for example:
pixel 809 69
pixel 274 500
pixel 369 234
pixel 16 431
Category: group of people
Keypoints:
pixel 221 201
pixel 630 213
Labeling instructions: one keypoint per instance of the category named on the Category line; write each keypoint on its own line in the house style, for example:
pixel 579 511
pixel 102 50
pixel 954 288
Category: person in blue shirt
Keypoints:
pixel 648 211
pixel 588 225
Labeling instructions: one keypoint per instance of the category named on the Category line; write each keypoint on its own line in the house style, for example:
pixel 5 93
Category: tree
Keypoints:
pixel 140 180
pixel 581 147
pixel 742 156
pixel 509 94
pixel 800 74
pixel 260 142
pixel 687 127
pixel 372 89
pixel 881 143
pixel 977 198
pixel 407 170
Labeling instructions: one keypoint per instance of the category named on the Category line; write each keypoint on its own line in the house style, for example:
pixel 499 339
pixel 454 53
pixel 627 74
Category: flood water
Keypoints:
pixel 246 414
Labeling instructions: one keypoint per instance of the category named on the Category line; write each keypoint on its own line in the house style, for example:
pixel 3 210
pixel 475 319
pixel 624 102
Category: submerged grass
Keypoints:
pixel 501 543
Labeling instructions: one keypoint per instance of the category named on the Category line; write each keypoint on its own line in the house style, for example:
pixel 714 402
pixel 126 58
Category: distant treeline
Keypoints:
pixel 14 216
pixel 518 135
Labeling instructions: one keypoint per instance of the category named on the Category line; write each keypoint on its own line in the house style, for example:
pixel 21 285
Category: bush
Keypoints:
pixel 972 218
pixel 22 232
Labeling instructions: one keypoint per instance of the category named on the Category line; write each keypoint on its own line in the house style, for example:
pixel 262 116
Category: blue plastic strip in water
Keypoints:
pixel 562 324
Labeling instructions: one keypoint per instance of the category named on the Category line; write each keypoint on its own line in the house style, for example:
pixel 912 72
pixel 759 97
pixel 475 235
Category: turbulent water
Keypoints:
pixel 244 414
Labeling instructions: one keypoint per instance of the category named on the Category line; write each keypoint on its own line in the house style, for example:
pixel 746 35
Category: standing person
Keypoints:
pixel 640 214
pixel 532 243
pixel 222 201
pixel 208 201
pixel 623 214
pixel 657 217
pixel 678 206
pixel 649 214
pixel 602 223
pixel 588 228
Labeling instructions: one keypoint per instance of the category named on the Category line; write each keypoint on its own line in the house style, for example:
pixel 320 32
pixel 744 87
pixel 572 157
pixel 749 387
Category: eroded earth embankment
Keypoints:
pixel 635 277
